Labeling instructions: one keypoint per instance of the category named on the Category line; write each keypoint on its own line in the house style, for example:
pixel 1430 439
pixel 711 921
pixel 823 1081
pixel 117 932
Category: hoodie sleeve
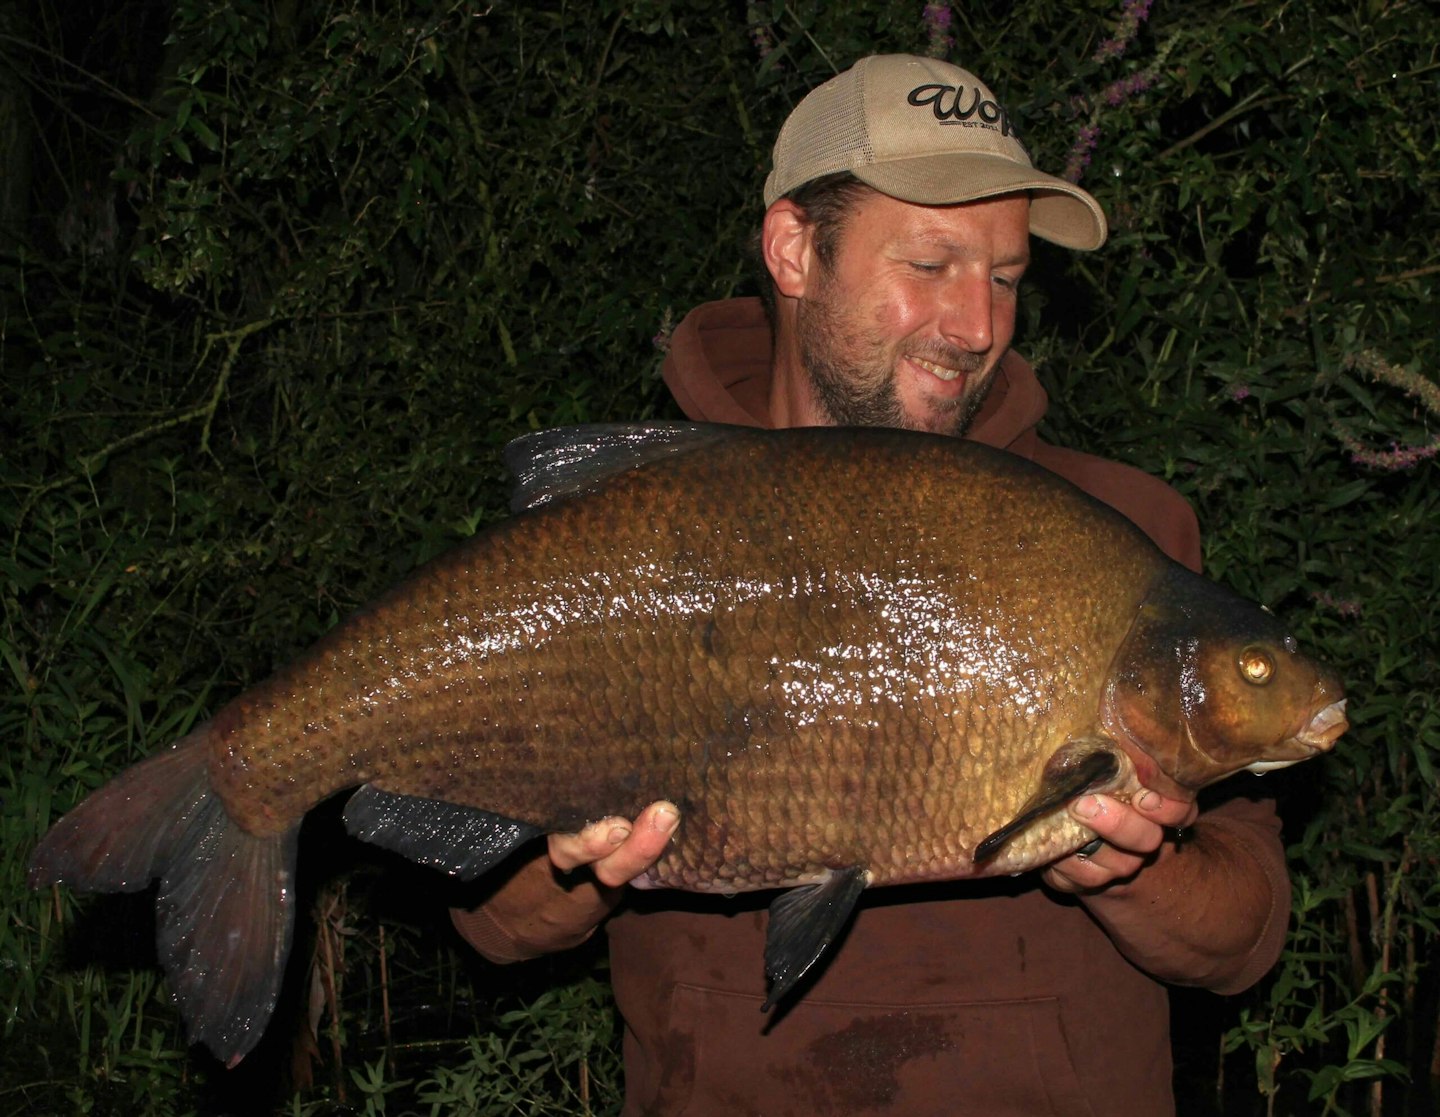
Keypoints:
pixel 1148 502
pixel 535 911
pixel 1213 911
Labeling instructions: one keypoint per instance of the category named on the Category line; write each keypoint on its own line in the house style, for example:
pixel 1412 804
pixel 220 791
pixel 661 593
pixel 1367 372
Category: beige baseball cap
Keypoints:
pixel 925 131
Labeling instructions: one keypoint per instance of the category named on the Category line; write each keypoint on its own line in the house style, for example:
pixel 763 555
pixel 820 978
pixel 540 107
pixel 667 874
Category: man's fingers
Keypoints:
pixel 645 845
pixel 1083 872
pixel 616 849
pixel 1174 813
pixel 1121 826
pixel 570 851
pixel 1128 834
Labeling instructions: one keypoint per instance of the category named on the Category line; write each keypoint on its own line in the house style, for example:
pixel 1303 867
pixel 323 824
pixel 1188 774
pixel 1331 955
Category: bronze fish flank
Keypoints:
pixel 852 657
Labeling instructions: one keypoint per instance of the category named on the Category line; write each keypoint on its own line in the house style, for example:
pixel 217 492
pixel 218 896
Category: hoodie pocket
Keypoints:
pixel 991 1058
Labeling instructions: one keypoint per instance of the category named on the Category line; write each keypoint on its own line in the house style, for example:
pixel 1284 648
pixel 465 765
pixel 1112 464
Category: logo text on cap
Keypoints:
pixel 956 112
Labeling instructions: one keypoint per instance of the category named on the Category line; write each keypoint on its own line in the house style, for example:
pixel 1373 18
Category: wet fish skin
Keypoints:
pixel 849 656
pixel 650 678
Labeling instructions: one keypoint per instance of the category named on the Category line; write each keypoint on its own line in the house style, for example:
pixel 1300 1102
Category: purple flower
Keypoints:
pixel 1085 140
pixel 1343 606
pixel 761 37
pixel 1240 391
pixel 1118 92
pixel 1397 458
pixel 662 337
pixel 1132 15
pixel 762 41
pixel 937 19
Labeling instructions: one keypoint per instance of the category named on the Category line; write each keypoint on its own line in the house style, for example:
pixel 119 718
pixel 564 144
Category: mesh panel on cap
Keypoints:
pixel 828 133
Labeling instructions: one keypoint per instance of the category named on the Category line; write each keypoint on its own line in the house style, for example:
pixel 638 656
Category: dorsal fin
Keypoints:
pixel 567 461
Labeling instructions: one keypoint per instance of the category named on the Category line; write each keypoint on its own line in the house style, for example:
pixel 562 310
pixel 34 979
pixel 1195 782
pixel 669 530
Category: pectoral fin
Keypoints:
pixel 1076 768
pixel 803 922
pixel 463 841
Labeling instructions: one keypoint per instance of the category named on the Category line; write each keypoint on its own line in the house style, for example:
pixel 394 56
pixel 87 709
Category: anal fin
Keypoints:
pixel 463 841
pixel 803 922
pixel 1075 769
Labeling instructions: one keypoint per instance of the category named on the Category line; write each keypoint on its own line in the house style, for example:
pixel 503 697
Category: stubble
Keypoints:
pixel 852 374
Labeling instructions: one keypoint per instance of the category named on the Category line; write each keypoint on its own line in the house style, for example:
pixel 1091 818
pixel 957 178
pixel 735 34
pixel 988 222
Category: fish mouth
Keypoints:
pixel 1319 735
pixel 1325 727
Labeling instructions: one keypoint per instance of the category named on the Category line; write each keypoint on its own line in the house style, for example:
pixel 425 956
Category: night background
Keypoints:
pixel 279 280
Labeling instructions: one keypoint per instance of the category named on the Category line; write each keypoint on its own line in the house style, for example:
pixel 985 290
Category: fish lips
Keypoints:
pixel 1317 735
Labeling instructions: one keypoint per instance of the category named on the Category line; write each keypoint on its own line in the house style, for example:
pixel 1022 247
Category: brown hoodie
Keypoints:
pixel 984 998
pixel 718 370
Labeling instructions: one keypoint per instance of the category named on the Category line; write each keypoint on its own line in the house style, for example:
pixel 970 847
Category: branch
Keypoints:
pixel 1220 121
pixel 96 459
pixel 1399 277
pixel 233 339
pixel 119 94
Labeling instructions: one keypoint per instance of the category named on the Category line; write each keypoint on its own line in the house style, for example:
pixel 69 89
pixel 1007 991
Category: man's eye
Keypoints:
pixel 926 267
pixel 1007 282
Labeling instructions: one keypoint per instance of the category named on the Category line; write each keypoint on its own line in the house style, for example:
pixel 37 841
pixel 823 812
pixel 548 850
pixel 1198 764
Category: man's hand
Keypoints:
pixel 539 910
pixel 1130 836
pixel 616 849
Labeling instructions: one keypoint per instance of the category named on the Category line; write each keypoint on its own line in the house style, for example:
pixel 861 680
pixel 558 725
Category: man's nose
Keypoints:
pixel 967 313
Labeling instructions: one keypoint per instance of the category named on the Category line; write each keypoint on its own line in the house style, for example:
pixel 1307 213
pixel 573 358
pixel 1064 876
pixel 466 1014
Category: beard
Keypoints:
pixel 852 374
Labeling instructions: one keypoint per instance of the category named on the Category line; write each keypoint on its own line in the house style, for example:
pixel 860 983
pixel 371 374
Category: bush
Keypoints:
pixel 312 268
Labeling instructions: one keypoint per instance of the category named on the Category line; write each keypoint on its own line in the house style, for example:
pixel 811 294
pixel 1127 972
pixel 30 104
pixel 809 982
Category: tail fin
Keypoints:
pixel 226 902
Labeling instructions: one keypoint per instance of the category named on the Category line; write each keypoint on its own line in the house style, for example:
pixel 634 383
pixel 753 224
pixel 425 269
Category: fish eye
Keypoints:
pixel 1256 666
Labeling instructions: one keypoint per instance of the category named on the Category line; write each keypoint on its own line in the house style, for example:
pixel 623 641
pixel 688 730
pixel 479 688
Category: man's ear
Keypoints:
pixel 787 241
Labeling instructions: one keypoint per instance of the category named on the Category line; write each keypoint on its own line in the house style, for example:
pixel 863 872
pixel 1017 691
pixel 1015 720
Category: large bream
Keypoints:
pixel 852 658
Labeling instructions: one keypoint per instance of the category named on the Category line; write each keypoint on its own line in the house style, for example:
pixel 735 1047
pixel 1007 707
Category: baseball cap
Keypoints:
pixel 925 131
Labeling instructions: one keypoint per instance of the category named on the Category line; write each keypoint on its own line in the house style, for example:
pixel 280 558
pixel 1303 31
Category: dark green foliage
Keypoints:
pixel 287 276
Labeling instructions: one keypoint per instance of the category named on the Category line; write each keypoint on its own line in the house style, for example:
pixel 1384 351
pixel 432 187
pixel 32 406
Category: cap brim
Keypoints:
pixel 1060 211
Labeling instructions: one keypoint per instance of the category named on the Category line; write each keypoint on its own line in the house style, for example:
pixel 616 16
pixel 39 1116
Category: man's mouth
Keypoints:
pixel 939 371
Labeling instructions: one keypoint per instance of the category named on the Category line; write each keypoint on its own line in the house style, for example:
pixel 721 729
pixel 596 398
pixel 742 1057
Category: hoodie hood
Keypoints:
pixel 718 370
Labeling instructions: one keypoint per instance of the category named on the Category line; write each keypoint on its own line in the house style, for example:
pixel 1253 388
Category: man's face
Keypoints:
pixel 907 328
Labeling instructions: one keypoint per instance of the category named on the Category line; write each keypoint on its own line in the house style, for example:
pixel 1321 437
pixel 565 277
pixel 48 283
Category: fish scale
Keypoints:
pixel 852 658
pixel 633 674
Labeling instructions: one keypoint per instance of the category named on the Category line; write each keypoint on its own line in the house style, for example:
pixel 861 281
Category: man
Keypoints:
pixel 897 231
